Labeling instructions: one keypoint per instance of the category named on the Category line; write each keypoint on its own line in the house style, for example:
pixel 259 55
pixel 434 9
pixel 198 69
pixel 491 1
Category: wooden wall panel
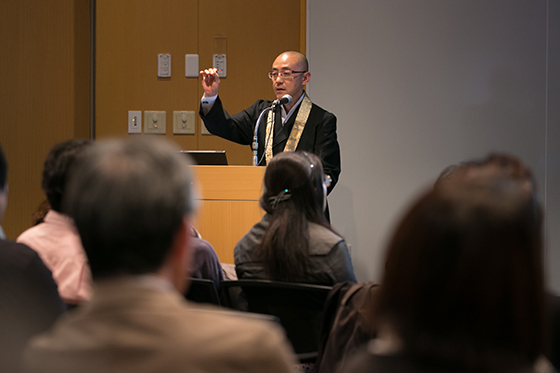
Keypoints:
pixel 256 31
pixel 44 99
pixel 130 35
pixel 128 41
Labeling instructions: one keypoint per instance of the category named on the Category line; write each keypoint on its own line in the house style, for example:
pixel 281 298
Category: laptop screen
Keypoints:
pixel 207 157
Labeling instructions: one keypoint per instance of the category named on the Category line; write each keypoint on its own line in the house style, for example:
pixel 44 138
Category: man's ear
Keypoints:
pixel 306 78
pixel 181 256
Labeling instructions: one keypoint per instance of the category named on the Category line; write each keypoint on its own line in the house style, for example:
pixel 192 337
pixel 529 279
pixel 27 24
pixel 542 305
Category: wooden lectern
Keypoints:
pixel 229 207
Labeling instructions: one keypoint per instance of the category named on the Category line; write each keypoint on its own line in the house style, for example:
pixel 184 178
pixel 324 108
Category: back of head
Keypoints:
pixel 300 176
pixel 56 169
pixel 463 284
pixel 494 165
pixel 128 198
pixel 293 196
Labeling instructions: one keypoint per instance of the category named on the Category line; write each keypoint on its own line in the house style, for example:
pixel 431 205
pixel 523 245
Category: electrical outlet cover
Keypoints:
pixel 135 121
pixel 154 122
pixel 183 122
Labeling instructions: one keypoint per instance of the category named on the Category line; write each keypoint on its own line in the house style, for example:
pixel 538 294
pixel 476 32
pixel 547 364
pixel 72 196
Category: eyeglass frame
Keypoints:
pixel 279 74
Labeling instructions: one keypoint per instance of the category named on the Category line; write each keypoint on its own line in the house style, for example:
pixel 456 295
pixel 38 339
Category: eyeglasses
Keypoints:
pixel 284 74
pixel 328 181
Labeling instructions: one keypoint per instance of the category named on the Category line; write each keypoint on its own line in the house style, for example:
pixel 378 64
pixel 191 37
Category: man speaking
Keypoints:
pixel 291 122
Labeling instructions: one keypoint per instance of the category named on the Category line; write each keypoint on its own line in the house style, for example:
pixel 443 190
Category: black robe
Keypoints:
pixel 318 137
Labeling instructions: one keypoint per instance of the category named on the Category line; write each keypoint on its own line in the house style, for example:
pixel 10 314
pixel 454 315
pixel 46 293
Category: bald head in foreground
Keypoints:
pixel 132 202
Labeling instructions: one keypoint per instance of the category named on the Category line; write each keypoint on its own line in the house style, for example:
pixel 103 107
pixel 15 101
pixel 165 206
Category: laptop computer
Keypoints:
pixel 207 157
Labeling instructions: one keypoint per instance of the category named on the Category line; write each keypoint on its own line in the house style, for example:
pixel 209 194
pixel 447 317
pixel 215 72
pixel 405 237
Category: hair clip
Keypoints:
pixel 282 196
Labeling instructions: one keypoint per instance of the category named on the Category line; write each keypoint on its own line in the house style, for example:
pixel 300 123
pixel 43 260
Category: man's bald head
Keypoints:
pixel 301 59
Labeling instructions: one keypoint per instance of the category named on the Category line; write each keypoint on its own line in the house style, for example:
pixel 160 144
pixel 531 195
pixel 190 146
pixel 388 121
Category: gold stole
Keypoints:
pixel 297 129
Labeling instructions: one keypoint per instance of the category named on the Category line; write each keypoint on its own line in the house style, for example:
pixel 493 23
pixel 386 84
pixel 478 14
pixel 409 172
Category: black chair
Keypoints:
pixel 298 306
pixel 203 291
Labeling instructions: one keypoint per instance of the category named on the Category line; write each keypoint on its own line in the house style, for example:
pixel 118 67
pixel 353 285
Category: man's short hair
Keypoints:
pixel 3 169
pixel 128 198
pixel 57 167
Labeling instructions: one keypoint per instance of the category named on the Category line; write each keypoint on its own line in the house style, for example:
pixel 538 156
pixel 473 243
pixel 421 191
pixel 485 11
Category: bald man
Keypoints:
pixel 298 125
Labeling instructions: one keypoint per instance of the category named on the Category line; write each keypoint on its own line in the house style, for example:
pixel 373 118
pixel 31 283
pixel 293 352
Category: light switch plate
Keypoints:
pixel 183 122
pixel 154 122
pixel 220 63
pixel 135 121
pixel 164 65
pixel 191 65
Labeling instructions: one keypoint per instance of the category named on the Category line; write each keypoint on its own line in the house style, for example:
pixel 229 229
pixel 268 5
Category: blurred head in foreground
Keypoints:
pixel 463 284
pixel 131 201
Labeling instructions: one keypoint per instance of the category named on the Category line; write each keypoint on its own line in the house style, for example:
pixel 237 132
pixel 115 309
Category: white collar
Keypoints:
pixel 285 116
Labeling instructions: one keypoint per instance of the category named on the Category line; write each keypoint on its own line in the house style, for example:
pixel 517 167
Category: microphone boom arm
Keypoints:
pixel 286 99
pixel 255 142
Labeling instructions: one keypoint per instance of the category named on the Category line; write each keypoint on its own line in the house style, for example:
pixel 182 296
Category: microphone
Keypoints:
pixel 286 99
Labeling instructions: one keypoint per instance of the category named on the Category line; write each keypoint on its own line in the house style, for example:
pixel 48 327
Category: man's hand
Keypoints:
pixel 210 82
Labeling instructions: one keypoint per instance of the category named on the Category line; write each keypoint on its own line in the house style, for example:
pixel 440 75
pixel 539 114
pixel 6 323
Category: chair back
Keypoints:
pixel 298 306
pixel 202 290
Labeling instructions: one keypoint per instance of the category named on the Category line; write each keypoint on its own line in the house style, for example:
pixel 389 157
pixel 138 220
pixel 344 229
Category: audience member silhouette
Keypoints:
pixel 512 168
pixel 205 262
pixel 463 288
pixel 132 202
pixel 294 242
pixel 56 239
pixel 29 301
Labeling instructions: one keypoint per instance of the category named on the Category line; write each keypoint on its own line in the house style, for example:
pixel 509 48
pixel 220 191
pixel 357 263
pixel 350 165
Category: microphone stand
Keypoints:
pixel 255 140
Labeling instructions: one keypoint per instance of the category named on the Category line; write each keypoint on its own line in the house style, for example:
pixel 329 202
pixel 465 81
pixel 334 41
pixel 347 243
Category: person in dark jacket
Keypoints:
pixel 29 300
pixel 294 242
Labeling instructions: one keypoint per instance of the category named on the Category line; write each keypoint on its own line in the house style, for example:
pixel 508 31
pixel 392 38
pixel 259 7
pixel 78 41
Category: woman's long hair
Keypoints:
pixel 293 196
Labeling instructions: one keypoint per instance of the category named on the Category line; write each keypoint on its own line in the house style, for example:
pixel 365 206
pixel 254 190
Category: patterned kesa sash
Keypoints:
pixel 297 129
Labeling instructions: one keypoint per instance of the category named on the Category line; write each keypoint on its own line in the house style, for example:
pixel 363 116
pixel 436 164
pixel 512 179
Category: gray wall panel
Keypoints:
pixel 416 86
